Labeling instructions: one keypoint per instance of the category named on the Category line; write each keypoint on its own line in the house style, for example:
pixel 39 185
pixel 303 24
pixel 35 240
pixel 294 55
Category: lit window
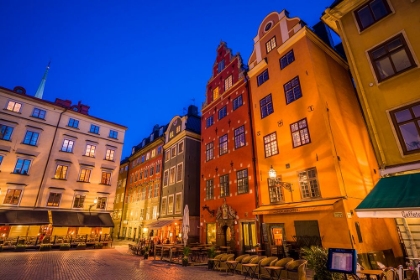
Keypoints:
pixel 150 191
pixel 228 82
pixel 31 138
pixel 178 203
pixel 101 203
pixel 67 146
pixel 61 172
pixel 14 106
pixel 163 209
pixel 38 113
pixel 106 178
pixel 209 121
pixel 308 183
pixel 12 196
pixel 156 192
pixel 167 155
pixel 406 121
pixel 79 199
pixel 287 59
pixel 94 129
pixel 215 93
pixel 391 58
pixel 170 204
pixel 73 123
pixel 179 172
pixel 54 199
pixel 266 106
pixel 270 145
pixel 275 191
pixel 180 147
pixel 90 150
pixel 237 102
pixel 224 185
pixel 84 175
pixel 239 137
pixel 209 189
pixel 263 77
pixel 242 181
pixel 209 151
pixel 112 134
pixel 222 112
pixel 172 175
pixel 292 90
pixel 22 166
pixel 153 154
pixel 165 178
pixel 372 12
pixel 300 133
pixel 109 154
pixel 220 66
pixel 173 151
pixel 5 132
pixel 223 144
pixel 271 44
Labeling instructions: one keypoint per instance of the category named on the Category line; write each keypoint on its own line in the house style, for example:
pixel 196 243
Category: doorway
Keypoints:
pixel 249 235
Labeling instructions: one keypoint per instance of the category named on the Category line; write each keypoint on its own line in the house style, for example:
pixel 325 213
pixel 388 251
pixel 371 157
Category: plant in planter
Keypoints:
pixel 45 247
pixel 64 246
pixel 20 248
pixel 186 252
pixel 1 248
pixel 317 258
pixel 211 253
pixel 146 252
pixel 98 245
pixel 81 246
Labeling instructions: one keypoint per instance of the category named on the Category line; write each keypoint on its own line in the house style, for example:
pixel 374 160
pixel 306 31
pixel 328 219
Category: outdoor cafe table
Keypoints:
pixel 274 271
pixel 250 269
pixel 231 266
pixel 371 272
pixel 255 251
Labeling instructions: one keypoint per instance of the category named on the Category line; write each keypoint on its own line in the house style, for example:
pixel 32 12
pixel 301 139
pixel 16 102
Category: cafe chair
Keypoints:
pixel 389 274
pixel 296 270
pixel 216 259
pixel 244 260
pixel 221 265
pixel 270 261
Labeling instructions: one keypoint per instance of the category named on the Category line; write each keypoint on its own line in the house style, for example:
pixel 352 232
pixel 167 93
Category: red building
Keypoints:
pixel 228 188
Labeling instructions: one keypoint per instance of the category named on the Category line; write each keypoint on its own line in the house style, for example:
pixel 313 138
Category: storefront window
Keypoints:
pixel 211 233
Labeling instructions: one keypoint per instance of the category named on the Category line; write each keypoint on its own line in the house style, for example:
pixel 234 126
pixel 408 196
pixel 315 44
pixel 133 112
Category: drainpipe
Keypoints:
pixel 49 157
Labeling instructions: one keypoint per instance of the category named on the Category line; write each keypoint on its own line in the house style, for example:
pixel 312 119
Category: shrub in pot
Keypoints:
pixel 211 253
pixel 317 258
pixel 45 247
pixel 186 252
pixel 64 246
pixel 81 246
pixel 20 248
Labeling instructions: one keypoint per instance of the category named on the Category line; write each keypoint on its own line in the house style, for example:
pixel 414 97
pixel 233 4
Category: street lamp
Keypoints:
pixel 272 175
pixel 95 201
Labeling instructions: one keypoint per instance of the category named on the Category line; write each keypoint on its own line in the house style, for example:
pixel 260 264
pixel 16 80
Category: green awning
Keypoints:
pixel 393 197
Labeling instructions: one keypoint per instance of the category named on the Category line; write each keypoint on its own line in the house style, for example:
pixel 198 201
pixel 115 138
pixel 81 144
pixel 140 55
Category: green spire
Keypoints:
pixel 41 87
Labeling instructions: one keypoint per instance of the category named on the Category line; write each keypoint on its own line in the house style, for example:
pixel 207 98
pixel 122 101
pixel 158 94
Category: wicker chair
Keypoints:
pixel 389 274
pixel 217 258
pixel 255 260
pixel 244 260
pixel 221 264
pixel 282 263
pixel 296 270
pixel 262 272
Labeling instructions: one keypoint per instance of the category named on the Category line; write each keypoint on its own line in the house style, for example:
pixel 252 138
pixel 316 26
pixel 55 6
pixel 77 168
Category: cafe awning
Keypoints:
pixel 160 223
pixel 296 207
pixel 392 197
pixel 81 219
pixel 23 217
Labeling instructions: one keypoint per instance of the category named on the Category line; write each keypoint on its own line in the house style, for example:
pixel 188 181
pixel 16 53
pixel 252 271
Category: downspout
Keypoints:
pixel 49 157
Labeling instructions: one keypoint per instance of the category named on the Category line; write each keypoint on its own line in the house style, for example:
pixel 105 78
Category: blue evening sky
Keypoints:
pixel 134 62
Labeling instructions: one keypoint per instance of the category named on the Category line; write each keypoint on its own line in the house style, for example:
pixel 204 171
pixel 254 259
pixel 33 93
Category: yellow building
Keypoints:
pixel 381 41
pixel 310 130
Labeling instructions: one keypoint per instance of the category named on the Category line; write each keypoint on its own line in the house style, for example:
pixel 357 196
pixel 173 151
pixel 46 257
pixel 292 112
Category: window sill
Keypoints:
pixel 73 127
pixel 60 179
pixel 82 182
pixel 104 184
pixel 91 132
pixel 111 160
pixel 20 174
pixel 87 156
pixel 5 109
pixel 66 152
pixel 113 138
pixel 42 119
pixel 29 144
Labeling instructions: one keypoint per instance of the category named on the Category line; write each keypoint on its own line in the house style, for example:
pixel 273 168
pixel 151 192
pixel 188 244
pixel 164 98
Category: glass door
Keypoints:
pixel 249 235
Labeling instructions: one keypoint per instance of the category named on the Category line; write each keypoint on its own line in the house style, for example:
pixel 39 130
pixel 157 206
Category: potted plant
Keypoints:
pixel 45 247
pixel 20 248
pixel 211 253
pixel 64 246
pixel 185 252
pixel 98 245
pixel 317 258
pixel 81 246
pixel 146 252
pixel 1 248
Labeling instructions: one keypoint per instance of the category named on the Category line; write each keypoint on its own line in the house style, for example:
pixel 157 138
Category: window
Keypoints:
pixel 406 121
pixel 287 59
pixel 223 144
pixel 61 172
pixel 106 178
pixel 292 90
pixel 178 203
pixel 143 193
pixel 220 66
pixel 222 112
pixel 242 181
pixel 237 102
pixel 239 137
pixel 159 150
pixel 270 145
pixel 263 77
pixel 67 146
pixel 173 151
pixel 143 158
pixel 275 191
pixel 209 189
pixel 38 113
pixel 172 175
pixel 215 93
pixel 179 172
pixel 165 178
pixel 180 147
pixel 84 175
pixel 224 185
pixel 228 82
pixel 209 151
pixel 271 44
pixel 12 196
pixel 163 209
pixel 300 133
pixel 101 203
pixel 94 129
pixel 266 106
pixel 31 138
pixel 73 123
pixel 1 159
pixel 308 183
pixel 170 204
pixel 14 106
pixel 109 154
pixel 150 192
pixel 371 13
pixel 152 170
pixel 391 58
pixel 153 153
pixel 209 121
pixel 112 134
pixel 5 132
pixel 79 199
pixel 22 166
pixel 158 167
pixel 167 155
pixel 54 199
pixel 154 213
pixel 90 150
pixel 156 193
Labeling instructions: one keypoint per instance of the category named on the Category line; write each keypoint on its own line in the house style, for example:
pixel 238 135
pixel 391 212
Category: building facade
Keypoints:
pixel 315 161
pixel 119 199
pixel 228 186
pixel 383 47
pixel 59 168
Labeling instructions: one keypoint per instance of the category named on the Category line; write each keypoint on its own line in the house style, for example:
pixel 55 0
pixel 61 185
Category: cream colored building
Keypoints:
pixel 59 168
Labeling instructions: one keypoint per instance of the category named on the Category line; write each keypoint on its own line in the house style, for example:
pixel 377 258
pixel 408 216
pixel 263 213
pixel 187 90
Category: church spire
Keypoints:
pixel 41 87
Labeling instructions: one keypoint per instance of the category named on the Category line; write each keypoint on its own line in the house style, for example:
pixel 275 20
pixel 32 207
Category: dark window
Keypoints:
pixel 270 145
pixel 31 138
pixel 300 133
pixel 209 121
pixel 406 121
pixel 12 196
pixel 224 185
pixel 222 112
pixel 220 66
pixel 209 189
pixel 5 132
pixel 38 113
pixel 391 58
pixel 242 181
pixel 94 129
pixel 292 90
pixel 263 77
pixel 371 13
pixel 239 137
pixel 266 106
pixel 237 102
pixel 22 166
pixel 223 144
pixel 73 123
pixel 54 199
pixel 113 134
pixel 78 201
pixel 287 59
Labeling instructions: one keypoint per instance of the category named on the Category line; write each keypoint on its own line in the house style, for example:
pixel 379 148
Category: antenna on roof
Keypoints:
pixel 41 87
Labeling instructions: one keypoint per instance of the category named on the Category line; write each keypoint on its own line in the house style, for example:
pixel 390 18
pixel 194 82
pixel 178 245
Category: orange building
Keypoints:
pixel 228 187
pixel 310 131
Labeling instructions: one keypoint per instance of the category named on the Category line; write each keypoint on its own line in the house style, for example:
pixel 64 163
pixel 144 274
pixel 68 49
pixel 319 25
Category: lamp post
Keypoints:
pixel 272 175
pixel 95 201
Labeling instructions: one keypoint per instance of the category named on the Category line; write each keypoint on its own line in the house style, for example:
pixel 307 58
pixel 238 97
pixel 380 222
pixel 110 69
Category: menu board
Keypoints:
pixel 342 260
pixel 265 232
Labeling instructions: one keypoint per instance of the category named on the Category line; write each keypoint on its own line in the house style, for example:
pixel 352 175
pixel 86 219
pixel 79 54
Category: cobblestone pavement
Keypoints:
pixel 103 264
